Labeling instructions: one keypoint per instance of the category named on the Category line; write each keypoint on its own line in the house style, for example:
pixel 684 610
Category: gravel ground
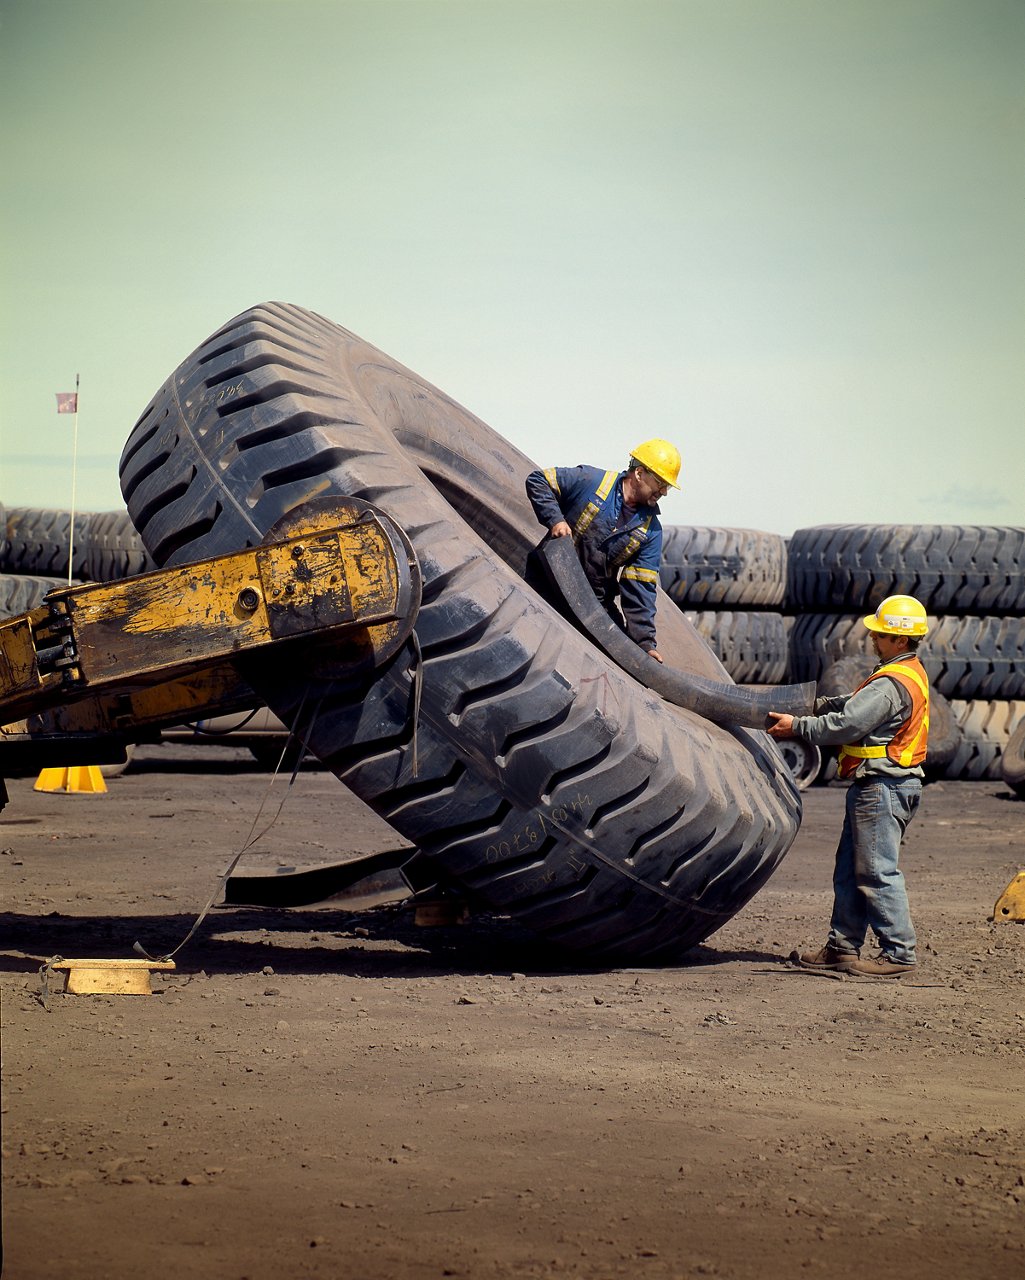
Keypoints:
pixel 334 1093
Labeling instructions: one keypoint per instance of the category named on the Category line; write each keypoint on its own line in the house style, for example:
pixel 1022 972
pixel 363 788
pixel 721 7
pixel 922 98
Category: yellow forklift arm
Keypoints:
pixel 122 658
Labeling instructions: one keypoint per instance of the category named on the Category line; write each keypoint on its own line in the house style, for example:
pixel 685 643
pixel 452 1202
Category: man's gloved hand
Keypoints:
pixel 780 725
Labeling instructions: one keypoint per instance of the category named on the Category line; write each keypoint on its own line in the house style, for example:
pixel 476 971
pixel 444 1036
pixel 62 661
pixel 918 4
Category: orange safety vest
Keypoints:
pixel 908 745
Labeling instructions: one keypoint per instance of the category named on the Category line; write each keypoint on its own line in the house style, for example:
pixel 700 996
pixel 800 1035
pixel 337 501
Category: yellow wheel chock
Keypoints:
pixel 1011 903
pixel 107 977
pixel 74 779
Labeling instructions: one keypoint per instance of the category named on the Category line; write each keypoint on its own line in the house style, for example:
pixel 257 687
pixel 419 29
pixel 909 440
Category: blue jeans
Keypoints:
pixel 868 886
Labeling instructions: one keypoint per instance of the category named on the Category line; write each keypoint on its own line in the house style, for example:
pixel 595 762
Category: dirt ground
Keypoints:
pixel 343 1094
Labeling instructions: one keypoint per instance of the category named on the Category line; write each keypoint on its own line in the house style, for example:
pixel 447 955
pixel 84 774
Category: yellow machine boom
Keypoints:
pixel 114 661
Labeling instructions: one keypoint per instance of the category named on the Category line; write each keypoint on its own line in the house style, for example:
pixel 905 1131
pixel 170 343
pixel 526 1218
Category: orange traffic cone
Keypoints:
pixel 78 779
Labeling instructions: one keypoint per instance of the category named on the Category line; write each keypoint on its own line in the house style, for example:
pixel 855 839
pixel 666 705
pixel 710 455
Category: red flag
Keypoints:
pixel 67 401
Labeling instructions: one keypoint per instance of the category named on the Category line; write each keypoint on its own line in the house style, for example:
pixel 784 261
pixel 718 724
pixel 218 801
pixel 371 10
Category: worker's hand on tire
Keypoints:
pixel 561 530
pixel 654 653
pixel 780 725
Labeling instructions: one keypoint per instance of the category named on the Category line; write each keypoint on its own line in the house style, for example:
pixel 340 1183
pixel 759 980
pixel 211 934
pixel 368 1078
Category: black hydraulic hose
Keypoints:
pixel 721 703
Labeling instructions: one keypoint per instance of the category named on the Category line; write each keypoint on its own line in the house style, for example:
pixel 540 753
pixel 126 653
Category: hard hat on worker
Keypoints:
pixel 899 616
pixel 661 458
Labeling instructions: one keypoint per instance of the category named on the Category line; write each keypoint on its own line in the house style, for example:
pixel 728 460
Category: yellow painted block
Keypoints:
pixel 109 977
pixel 79 779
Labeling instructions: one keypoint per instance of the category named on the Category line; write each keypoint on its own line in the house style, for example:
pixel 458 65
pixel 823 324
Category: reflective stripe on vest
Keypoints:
pixel 595 505
pixel 633 545
pixel 908 745
pixel 552 476
pixel 864 753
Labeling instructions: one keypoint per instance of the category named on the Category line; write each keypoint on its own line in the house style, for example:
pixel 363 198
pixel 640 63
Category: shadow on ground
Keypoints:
pixel 384 942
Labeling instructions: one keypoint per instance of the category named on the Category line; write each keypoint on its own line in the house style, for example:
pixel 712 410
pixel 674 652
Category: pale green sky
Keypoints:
pixel 785 233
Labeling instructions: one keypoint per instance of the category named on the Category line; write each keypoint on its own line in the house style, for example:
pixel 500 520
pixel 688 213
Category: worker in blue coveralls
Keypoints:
pixel 613 519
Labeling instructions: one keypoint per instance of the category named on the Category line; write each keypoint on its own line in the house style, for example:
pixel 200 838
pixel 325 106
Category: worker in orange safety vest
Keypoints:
pixel 882 729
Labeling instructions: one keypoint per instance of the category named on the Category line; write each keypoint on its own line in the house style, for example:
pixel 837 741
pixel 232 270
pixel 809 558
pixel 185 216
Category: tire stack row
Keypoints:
pixel 731 585
pixel 36 543
pixel 971 580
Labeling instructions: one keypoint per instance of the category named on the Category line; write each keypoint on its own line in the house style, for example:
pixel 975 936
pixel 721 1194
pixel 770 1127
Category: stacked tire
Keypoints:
pixel 38 542
pixel 730 584
pixel 971 580
pixel 22 592
pixel 36 549
pixel 1012 760
pixel 113 548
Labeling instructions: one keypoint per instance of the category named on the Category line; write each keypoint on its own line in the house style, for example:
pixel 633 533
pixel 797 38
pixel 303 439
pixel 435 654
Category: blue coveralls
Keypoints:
pixel 620 547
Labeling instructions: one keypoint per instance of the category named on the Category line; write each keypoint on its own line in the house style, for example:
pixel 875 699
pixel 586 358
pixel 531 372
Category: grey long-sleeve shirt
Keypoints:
pixel 870 717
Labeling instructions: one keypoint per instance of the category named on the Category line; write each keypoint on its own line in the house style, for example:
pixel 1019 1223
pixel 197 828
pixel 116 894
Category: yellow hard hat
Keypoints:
pixel 899 616
pixel 660 457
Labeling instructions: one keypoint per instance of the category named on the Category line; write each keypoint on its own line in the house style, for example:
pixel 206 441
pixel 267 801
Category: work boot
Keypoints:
pixel 881 967
pixel 826 957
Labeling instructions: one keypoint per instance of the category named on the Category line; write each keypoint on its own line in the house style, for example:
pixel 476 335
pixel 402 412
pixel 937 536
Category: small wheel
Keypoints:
pixel 803 759
pixel 117 769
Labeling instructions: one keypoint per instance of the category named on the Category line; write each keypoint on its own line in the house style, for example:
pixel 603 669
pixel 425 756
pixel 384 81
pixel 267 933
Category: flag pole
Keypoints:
pixel 85 777
pixel 74 481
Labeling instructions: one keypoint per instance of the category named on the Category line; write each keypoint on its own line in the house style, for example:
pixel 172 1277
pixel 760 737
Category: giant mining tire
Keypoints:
pixel 705 567
pixel 976 657
pixel 751 644
pixel 977 569
pixel 39 539
pixel 537 775
pixel 22 592
pixel 113 548
pixel 987 727
pixel 966 658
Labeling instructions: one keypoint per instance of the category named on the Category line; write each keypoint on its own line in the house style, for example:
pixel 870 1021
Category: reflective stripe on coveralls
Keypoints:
pixel 593 507
pixel 630 550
